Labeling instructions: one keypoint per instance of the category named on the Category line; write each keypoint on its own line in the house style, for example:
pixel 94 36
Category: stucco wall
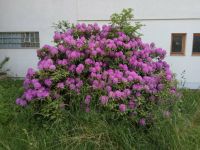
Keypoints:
pixel 160 17
pixel 32 15
pixel 144 9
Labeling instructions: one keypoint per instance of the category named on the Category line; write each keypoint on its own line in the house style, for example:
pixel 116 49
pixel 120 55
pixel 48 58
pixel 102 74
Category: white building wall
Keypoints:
pixel 161 18
pixel 31 15
pixel 144 9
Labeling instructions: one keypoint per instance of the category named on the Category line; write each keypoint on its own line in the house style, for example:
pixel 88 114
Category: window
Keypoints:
pixel 16 40
pixel 196 44
pixel 178 43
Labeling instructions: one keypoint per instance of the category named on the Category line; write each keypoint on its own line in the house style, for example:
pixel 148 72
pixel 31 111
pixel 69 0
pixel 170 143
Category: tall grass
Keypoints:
pixel 18 131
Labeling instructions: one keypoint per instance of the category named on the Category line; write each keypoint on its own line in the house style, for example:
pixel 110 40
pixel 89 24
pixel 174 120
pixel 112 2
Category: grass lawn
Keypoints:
pixel 18 131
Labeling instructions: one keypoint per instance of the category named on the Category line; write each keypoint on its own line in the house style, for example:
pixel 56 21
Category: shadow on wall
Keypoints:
pixel 3 71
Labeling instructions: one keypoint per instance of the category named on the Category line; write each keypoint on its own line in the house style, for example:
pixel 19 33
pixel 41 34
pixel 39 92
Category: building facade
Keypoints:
pixel 173 25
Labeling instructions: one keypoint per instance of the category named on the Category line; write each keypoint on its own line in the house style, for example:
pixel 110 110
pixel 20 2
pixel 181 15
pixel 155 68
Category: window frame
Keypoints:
pixel 195 53
pixel 23 33
pixel 182 53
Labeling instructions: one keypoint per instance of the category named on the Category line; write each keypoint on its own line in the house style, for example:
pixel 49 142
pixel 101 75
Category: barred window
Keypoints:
pixel 19 40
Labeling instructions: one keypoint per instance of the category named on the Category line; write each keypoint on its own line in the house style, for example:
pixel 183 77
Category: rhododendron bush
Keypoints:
pixel 100 68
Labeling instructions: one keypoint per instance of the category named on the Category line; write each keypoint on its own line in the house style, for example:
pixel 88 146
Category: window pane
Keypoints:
pixel 196 43
pixel 37 45
pixel 27 37
pixel 177 43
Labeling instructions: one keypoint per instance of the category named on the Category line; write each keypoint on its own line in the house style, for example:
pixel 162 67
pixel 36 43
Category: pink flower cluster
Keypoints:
pixel 74 84
pixel 102 60
pixel 46 64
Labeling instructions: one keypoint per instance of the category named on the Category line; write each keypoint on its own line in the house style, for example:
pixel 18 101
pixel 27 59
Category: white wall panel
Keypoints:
pixel 143 9
pixel 161 17
pixel 31 15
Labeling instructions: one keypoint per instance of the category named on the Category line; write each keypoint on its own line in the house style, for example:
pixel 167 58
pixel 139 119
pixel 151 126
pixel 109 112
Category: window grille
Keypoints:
pixel 19 40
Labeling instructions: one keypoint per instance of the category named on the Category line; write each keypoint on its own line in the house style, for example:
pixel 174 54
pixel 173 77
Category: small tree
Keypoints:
pixel 124 22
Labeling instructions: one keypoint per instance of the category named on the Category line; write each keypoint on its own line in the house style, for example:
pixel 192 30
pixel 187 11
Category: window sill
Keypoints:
pixel 177 54
pixel 196 54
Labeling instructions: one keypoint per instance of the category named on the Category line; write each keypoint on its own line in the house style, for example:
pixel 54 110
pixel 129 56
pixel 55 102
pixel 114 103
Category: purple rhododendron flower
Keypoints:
pixel 142 122
pixel 57 36
pixel 46 64
pixel 104 100
pixel 80 68
pixel 87 109
pixel 60 85
pixel 48 82
pixel 87 99
pixel 21 102
pixel 30 72
pixel 36 84
pixel 122 107
pixel 42 93
pixel 131 104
